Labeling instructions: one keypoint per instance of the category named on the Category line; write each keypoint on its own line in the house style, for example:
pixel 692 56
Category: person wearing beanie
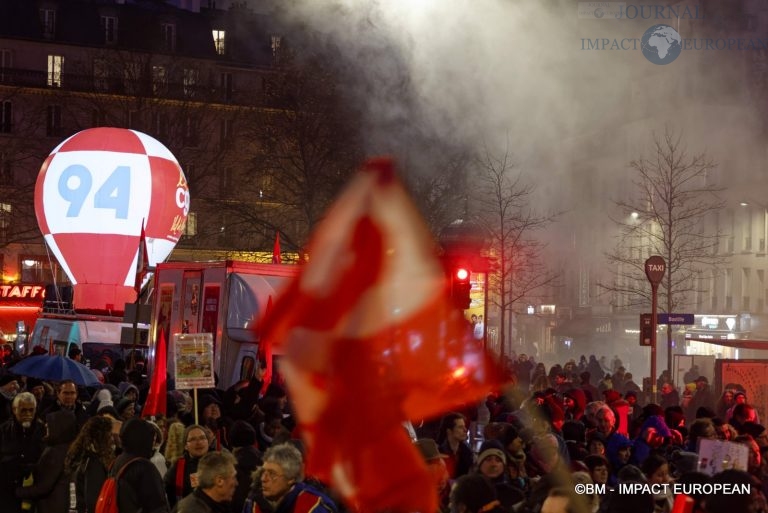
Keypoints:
pixel 248 458
pixel 575 400
pixel 492 464
pixel 126 409
pixel 473 493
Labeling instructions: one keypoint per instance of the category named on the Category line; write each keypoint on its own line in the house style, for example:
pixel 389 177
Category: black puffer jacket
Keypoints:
pixel 140 486
pixel 50 486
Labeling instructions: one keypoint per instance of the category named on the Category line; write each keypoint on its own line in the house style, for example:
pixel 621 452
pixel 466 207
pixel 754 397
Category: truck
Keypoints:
pixel 224 298
pixel 102 339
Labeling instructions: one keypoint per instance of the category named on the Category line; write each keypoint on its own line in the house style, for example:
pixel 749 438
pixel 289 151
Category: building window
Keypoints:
pixel 275 42
pixel 190 228
pixel 226 86
pixel 160 125
pixel 100 75
pixel 132 76
pixel 159 80
pixel 133 120
pixel 109 26
pixel 226 133
pixel 55 67
pixel 48 22
pixel 191 79
pixel 6 63
pixel 6 172
pixel 5 220
pixel 168 32
pixel 218 41
pixel 192 132
pixel 53 121
pixel 6 117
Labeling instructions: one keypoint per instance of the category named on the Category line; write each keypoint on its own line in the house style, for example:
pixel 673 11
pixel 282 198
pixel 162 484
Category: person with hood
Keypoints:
pixel 574 400
pixel 21 443
pixel 140 487
pixel 654 433
pixel 50 484
pixel 131 392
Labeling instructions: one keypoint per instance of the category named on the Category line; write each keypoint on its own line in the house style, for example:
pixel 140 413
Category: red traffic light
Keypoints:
pixel 462 274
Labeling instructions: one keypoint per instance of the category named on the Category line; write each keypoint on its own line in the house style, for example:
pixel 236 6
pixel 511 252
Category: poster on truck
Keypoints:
pixel 194 360
pixel 191 298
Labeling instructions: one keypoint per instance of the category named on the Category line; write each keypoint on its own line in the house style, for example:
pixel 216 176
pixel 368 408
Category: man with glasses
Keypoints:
pixel 217 481
pixel 279 485
pixel 182 477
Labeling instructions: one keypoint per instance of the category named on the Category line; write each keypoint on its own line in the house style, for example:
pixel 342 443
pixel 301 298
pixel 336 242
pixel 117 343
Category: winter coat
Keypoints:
pixel 50 487
pixel 169 480
pixel 140 488
pixel 88 478
pixel 199 502
pixel 302 498
pixel 248 459
pixel 19 451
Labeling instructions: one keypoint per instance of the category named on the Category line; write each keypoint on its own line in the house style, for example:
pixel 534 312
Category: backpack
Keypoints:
pixel 107 501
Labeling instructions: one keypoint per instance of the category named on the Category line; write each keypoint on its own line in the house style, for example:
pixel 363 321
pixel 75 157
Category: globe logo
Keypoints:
pixel 599 13
pixel 661 44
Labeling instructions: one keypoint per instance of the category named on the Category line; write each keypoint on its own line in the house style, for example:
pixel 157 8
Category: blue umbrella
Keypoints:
pixel 55 368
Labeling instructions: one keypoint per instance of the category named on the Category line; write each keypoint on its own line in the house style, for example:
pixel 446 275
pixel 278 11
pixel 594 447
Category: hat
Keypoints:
pixel 702 379
pixel 7 378
pixel 684 462
pixel 33 383
pixel 123 404
pixel 491 448
pixel 242 434
pixel 207 400
pixel 428 449
pixel 474 491
pixel 631 393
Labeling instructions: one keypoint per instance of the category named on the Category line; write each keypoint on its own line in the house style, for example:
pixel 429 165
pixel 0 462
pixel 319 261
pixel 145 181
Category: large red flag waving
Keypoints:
pixel 158 386
pixel 369 341
pixel 142 261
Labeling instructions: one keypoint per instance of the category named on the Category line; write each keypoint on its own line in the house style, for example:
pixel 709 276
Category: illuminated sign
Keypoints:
pixel 22 294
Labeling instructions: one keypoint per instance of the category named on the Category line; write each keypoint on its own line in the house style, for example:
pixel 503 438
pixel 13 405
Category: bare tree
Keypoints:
pixel 673 196
pixel 308 147
pixel 502 204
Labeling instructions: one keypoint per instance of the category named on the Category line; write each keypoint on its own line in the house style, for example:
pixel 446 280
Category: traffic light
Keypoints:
pixel 460 288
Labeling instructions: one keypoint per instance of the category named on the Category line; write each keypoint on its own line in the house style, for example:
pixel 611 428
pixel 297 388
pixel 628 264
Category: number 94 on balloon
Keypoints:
pixel 97 193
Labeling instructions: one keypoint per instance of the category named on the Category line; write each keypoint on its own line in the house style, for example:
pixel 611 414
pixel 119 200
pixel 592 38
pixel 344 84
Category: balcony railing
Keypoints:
pixel 73 82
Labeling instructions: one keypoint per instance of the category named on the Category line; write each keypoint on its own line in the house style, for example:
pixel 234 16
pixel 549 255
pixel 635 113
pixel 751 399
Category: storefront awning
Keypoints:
pixel 738 343
pixel 11 315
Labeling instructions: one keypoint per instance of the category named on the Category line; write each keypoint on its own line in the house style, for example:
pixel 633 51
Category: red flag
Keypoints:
pixel 142 261
pixel 370 340
pixel 265 352
pixel 158 387
pixel 277 257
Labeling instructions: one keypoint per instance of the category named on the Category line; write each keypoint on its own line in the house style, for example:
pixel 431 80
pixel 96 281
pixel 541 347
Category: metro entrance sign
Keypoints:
pixel 675 318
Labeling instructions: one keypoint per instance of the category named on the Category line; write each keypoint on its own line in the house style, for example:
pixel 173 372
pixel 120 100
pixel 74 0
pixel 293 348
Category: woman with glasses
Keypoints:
pixel 181 477
pixel 279 486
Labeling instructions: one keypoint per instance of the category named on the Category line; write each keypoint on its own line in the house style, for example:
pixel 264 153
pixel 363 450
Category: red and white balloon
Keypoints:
pixel 92 195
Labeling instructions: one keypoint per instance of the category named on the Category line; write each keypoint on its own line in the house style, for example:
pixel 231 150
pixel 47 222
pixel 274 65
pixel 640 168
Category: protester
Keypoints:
pixel 217 481
pixel 278 486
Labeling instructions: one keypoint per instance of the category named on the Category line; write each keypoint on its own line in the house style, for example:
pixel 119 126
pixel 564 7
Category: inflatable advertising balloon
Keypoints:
pixel 93 193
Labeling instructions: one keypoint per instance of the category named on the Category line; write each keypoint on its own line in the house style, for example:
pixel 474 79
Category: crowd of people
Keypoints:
pixel 239 452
